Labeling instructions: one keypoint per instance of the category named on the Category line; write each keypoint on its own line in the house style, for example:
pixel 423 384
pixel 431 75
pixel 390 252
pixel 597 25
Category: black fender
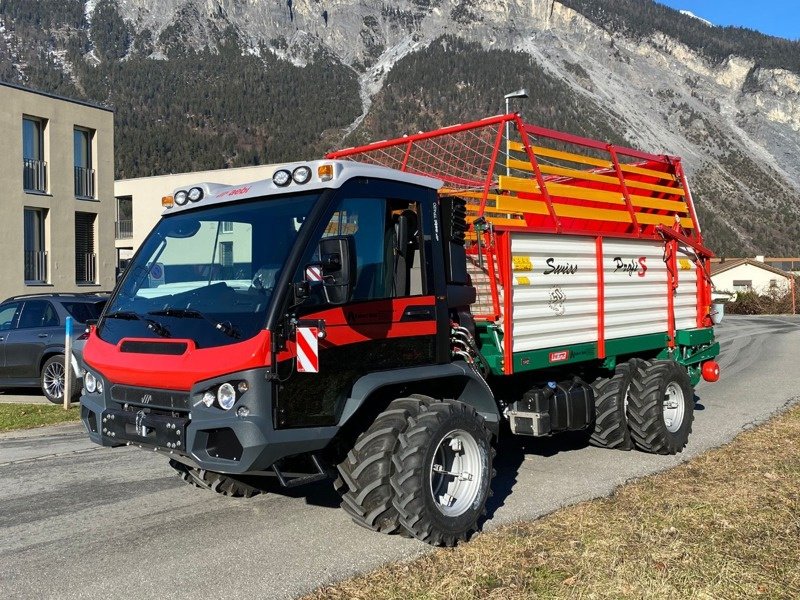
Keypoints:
pixel 456 380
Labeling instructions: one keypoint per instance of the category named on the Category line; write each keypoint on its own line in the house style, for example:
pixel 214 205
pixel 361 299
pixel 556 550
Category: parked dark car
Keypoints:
pixel 32 334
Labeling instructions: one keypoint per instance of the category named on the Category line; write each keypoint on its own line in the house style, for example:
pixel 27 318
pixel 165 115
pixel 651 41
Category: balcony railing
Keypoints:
pixel 34 175
pixel 124 229
pixel 36 267
pixel 84 182
pixel 85 268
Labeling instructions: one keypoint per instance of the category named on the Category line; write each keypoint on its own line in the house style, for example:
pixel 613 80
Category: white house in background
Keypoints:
pixel 139 200
pixel 743 274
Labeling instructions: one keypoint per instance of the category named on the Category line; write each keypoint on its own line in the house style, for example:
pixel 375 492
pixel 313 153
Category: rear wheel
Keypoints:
pixel 53 381
pixel 215 482
pixel 661 408
pixel 611 405
pixel 365 473
pixel 443 473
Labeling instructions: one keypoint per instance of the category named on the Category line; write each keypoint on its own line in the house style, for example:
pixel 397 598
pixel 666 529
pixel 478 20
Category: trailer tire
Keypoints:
pixel 364 480
pixel 661 408
pixel 611 405
pixel 435 505
pixel 215 482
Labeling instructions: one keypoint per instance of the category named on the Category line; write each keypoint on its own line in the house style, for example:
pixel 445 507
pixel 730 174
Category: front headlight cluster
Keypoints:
pixel 300 175
pixel 194 195
pixel 92 383
pixel 224 395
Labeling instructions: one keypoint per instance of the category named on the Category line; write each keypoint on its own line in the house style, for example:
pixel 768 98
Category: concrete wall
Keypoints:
pixel 761 279
pixel 146 194
pixel 60 117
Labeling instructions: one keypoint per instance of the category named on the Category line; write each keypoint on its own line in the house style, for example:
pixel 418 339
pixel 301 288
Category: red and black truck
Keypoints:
pixel 383 314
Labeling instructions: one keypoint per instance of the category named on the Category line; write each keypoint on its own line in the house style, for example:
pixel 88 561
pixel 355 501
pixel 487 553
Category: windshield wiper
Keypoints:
pixel 189 313
pixel 152 325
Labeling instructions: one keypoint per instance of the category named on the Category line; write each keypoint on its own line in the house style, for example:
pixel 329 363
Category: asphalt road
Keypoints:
pixel 80 521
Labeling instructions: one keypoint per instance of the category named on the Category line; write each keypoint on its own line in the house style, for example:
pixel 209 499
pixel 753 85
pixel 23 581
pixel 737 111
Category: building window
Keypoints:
pixel 124 228
pixel 34 242
pixel 226 254
pixel 227 226
pixel 84 173
pixel 34 168
pixel 742 285
pixel 85 257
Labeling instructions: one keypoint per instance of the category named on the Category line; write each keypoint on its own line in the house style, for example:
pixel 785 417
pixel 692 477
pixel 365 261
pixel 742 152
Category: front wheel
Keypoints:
pixel 442 473
pixel 53 379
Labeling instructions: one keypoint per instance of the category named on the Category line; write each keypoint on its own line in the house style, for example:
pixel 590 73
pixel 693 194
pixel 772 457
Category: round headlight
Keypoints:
pixel 89 382
pixel 226 396
pixel 99 386
pixel 301 175
pixel 181 197
pixel 282 178
pixel 208 398
pixel 195 194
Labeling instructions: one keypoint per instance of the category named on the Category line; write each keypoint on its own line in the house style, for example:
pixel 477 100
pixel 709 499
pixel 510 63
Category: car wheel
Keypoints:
pixel 52 379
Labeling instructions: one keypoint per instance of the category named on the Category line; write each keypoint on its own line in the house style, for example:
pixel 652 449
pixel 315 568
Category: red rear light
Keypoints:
pixel 711 371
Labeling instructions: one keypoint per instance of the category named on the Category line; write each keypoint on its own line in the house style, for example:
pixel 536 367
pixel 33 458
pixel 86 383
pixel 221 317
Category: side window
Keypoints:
pixel 387 245
pixel 38 313
pixel 8 314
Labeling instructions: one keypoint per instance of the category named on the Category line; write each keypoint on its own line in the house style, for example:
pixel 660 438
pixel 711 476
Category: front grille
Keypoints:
pixel 168 399
pixel 169 348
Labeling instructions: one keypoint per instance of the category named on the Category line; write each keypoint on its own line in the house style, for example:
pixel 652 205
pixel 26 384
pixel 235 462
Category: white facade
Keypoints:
pixel 749 275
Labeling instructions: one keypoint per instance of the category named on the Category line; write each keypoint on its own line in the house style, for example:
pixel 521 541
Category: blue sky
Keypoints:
pixel 775 17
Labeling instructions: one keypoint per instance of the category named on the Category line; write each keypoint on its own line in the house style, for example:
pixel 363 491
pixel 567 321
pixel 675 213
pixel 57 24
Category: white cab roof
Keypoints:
pixel 343 170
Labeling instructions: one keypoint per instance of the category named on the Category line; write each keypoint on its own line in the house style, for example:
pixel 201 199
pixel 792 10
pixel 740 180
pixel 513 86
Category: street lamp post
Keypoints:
pixel 523 93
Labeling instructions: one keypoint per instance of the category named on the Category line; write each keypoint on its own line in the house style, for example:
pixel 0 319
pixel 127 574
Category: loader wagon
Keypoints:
pixel 382 315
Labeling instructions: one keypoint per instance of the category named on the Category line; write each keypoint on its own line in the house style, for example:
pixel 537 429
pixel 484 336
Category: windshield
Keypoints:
pixel 208 274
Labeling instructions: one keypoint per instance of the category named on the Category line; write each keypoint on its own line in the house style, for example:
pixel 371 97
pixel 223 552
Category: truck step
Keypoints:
pixel 289 480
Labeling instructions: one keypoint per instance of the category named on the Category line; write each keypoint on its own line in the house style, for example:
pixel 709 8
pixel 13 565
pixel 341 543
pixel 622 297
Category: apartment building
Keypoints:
pixel 57 178
pixel 139 201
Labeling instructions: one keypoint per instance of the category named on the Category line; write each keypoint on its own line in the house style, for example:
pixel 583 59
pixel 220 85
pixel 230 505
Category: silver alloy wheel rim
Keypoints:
pixel 674 407
pixel 54 379
pixel 456 473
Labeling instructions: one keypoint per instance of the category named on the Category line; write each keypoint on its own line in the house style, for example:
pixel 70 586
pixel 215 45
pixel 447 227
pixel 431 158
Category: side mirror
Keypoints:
pixel 338 261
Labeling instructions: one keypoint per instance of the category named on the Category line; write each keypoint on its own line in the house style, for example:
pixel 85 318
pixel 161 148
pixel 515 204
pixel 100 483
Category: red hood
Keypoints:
pixel 174 372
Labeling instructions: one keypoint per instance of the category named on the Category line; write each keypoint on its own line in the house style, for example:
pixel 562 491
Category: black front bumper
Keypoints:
pixel 206 437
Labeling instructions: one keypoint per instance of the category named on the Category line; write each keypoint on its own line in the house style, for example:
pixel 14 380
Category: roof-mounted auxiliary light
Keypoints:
pixel 282 178
pixel 325 172
pixel 301 175
pixel 181 197
pixel 196 194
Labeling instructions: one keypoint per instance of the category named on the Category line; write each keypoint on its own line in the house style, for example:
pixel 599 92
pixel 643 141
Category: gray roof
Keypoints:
pixel 22 88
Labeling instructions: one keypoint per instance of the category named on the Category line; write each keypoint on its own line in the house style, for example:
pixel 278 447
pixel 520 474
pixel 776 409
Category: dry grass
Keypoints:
pixel 25 416
pixel 725 525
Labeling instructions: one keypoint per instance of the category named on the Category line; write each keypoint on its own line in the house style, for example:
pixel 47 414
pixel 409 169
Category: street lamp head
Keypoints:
pixel 523 93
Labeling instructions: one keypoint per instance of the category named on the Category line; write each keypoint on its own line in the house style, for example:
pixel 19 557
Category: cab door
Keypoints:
pixel 391 318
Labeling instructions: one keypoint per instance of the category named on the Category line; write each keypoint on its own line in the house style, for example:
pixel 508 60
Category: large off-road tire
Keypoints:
pixel 53 381
pixel 365 473
pixel 611 404
pixel 661 408
pixel 216 482
pixel 442 473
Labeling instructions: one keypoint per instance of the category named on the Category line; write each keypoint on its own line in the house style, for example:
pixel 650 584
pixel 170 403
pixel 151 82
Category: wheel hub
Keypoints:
pixel 455 478
pixel 673 407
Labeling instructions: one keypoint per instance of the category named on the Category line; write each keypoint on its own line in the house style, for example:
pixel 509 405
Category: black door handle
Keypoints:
pixel 418 313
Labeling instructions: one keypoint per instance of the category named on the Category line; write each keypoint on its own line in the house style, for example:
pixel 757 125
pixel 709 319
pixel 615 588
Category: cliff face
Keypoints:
pixel 735 122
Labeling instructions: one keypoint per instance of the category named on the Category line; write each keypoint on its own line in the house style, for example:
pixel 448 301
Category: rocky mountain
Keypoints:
pixel 214 83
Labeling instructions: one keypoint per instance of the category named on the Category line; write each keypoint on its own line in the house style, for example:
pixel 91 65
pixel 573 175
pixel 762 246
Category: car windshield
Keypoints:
pixel 207 274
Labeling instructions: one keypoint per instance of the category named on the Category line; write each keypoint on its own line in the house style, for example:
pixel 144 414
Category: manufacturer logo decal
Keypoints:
pixel 147 398
pixel 557 299
pixel 559 356
pixel 630 267
pixel 554 268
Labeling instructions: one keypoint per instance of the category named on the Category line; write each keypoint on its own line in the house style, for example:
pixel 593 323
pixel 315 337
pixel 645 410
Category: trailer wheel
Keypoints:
pixel 364 474
pixel 661 408
pixel 611 405
pixel 215 482
pixel 443 472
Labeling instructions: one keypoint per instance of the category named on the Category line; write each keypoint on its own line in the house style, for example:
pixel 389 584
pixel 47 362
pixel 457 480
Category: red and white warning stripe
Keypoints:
pixel 307 350
pixel 314 273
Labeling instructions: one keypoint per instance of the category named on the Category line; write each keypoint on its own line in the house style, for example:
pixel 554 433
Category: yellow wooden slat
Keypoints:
pixel 516 146
pixel 517 184
pixel 648 172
